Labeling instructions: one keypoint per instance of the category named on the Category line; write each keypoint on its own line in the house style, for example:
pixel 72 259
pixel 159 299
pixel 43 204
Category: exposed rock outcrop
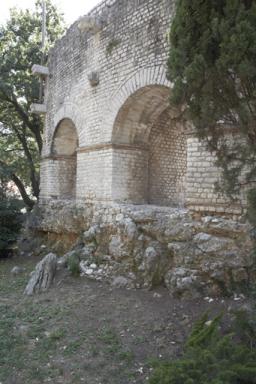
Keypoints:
pixel 144 246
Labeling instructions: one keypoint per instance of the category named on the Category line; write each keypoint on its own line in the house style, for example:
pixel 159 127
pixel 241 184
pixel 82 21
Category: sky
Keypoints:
pixel 72 9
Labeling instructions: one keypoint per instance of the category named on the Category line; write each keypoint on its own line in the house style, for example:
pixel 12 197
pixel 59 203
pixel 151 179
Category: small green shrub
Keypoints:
pixel 251 213
pixel 10 221
pixel 73 264
pixel 57 334
pixel 210 358
pixel 112 45
pixel 245 326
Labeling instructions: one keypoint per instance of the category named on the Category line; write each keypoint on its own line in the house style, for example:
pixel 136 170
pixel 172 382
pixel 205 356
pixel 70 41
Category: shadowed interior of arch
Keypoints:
pixel 64 146
pixel 149 126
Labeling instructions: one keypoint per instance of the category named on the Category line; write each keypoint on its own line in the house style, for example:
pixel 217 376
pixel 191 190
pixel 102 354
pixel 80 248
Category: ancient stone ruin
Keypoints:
pixel 120 162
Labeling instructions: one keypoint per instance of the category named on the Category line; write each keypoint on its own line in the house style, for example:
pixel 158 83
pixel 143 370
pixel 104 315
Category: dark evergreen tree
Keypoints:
pixel 212 357
pixel 11 216
pixel 212 64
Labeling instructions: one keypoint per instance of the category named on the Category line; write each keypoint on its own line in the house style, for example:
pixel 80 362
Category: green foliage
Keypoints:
pixel 251 196
pixel 212 66
pixel 10 219
pixel 201 332
pixel 112 45
pixel 210 357
pixel 245 326
pixel 73 264
pixel 20 130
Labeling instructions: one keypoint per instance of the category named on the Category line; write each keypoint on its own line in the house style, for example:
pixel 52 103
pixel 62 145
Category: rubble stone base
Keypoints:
pixel 144 246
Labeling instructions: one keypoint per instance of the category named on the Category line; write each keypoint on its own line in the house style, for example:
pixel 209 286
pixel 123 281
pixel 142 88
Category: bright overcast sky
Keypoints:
pixel 72 9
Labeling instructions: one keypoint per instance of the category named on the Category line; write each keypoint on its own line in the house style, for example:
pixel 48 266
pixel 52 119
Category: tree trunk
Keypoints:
pixel 25 197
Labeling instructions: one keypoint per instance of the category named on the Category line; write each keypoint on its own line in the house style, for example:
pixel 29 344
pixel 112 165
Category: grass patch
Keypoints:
pixel 28 333
pixel 12 284
pixel 73 347
pixel 110 339
pixel 127 356
pixel 11 344
pixel 57 334
pixel 28 353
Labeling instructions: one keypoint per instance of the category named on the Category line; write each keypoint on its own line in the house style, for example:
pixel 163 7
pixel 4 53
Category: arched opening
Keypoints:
pixel 64 145
pixel 149 165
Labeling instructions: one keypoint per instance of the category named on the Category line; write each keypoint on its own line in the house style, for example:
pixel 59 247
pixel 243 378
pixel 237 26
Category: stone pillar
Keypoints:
pixel 130 174
pixel 202 176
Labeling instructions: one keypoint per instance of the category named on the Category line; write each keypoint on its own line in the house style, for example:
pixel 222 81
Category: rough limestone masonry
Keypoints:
pixel 117 152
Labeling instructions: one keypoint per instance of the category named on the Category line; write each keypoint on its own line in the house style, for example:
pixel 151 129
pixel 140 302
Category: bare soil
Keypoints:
pixel 82 331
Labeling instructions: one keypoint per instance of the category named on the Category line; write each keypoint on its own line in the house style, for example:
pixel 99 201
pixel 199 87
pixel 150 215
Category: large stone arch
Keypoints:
pixel 143 77
pixel 136 116
pixel 64 155
pixel 149 157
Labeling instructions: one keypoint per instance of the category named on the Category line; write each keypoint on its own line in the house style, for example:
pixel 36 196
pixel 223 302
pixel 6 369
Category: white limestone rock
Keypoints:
pixel 122 282
pixel 17 270
pixel 115 246
pixel 43 275
pixel 90 235
pixel 183 282
pixel 130 229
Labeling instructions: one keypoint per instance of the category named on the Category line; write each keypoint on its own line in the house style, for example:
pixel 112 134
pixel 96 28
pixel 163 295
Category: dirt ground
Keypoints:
pixel 82 331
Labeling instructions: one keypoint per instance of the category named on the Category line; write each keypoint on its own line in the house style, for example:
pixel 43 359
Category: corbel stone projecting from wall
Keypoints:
pixel 38 108
pixel 90 24
pixel 40 70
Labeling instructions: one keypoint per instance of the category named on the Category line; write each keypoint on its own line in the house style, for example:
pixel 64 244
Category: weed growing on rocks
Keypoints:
pixel 73 262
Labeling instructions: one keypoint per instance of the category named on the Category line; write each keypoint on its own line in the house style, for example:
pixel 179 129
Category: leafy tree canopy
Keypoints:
pixel 212 64
pixel 10 215
pixel 21 131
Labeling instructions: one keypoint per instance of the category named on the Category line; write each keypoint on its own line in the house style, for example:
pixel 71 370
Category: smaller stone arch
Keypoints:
pixel 64 154
pixel 66 111
pixel 135 118
pixel 65 140
pixel 141 79
pixel 149 157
